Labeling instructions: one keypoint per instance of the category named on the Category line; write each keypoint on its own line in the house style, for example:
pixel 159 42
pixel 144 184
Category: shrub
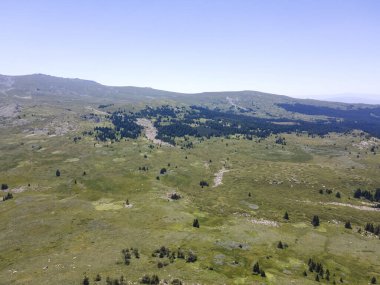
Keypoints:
pixel 192 257
pixel 176 282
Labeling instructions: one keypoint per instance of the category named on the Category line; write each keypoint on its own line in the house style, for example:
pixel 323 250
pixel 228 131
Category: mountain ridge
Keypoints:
pixel 48 86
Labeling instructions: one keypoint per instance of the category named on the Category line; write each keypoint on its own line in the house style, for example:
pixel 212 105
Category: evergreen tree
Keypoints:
pixel 315 222
pixel 373 280
pixel 57 173
pixel 196 223
pixel 256 268
pixel 86 281
pixel 286 216
pixel 347 225
pixel 327 275
pixel 280 245
pixel 154 279
pixel 338 195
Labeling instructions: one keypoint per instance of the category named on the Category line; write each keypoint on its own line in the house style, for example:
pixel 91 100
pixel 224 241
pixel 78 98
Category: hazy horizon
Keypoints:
pixel 300 49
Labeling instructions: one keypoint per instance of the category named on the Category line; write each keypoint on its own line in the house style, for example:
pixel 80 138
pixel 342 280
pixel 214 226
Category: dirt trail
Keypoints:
pixel 236 106
pixel 361 208
pixel 219 177
pixel 264 222
pixel 150 131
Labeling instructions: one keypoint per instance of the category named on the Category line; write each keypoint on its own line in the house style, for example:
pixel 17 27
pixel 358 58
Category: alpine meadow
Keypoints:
pixel 147 186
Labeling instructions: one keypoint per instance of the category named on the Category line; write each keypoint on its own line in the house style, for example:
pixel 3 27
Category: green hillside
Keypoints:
pixel 234 188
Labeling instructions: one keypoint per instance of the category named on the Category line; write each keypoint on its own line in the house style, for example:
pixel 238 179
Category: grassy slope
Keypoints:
pixel 77 228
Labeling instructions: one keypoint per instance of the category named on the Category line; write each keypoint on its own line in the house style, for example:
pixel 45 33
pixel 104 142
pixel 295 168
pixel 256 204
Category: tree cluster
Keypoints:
pixel 165 252
pixel 369 227
pixel 153 279
pixel 128 253
pixel 318 268
pixel 368 195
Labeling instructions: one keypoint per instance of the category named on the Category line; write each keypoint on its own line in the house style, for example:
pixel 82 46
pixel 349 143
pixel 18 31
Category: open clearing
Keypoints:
pixel 151 132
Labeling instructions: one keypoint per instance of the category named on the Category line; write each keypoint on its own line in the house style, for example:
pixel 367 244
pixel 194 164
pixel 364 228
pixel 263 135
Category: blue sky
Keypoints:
pixel 292 47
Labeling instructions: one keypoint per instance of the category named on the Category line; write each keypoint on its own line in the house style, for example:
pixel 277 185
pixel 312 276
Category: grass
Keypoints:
pixel 56 231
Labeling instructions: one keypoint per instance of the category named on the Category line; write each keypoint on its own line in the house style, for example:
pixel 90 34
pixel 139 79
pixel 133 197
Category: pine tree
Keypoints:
pixel 373 280
pixel 57 173
pixel 347 225
pixel 315 222
pixel 280 245
pixel 86 281
pixel 338 195
pixel 256 268
pixel 286 216
pixel 196 223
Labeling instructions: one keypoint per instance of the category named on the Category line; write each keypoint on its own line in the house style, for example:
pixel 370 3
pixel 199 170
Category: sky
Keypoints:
pixel 301 48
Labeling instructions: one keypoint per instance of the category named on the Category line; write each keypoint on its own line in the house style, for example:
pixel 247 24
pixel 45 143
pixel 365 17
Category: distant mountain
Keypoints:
pixel 38 89
pixel 41 85
pixel 43 88
pixel 352 98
